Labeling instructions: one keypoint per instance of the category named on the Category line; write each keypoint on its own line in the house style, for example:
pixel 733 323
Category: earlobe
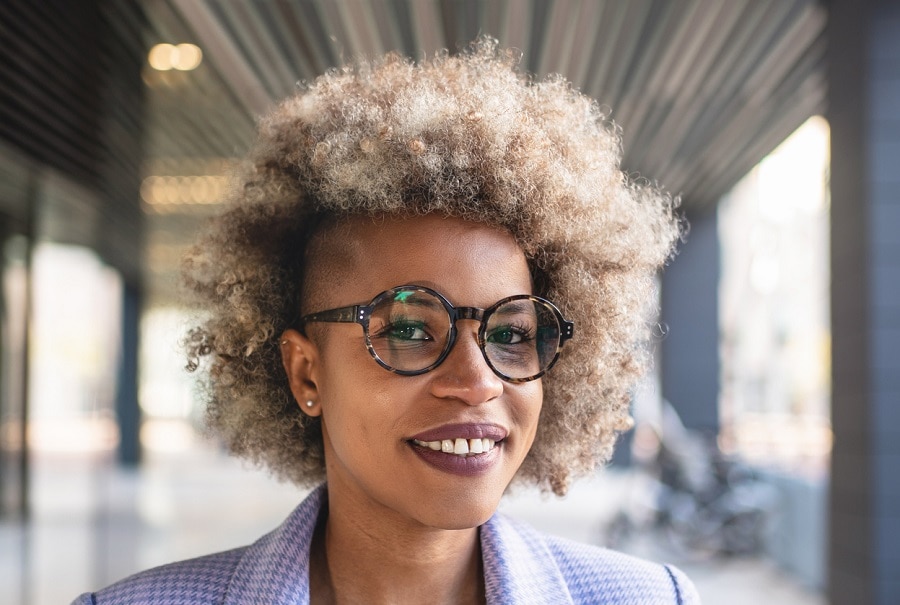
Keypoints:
pixel 300 357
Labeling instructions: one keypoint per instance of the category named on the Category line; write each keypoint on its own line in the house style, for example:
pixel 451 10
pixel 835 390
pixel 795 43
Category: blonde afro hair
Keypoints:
pixel 465 136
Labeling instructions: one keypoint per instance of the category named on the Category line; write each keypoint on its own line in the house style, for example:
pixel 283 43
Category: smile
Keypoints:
pixel 459 446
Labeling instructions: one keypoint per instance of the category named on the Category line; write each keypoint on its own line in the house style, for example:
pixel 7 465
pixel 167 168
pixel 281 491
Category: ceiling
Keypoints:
pixel 701 88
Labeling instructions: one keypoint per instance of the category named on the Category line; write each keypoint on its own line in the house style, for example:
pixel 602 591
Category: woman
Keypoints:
pixel 381 321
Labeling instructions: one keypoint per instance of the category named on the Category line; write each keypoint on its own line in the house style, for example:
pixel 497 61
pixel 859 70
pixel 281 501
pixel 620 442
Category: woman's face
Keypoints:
pixel 379 428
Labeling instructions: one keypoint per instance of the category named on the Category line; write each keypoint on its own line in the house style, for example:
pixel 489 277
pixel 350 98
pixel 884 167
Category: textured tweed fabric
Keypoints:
pixel 521 567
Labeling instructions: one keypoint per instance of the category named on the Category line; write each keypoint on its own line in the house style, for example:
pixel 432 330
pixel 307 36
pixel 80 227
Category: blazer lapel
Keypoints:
pixel 518 567
pixel 275 569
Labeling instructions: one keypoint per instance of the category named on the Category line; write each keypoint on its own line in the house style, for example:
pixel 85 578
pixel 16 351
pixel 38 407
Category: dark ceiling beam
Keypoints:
pixel 287 39
pixel 427 26
pixel 257 41
pixel 220 49
pixel 584 44
pixel 559 25
pixel 307 19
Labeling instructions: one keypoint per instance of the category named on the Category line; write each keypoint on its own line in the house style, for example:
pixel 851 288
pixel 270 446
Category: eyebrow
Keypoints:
pixel 516 307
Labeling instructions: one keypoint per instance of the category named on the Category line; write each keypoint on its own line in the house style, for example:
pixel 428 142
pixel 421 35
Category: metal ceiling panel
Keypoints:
pixel 696 85
pixel 71 117
pixel 702 89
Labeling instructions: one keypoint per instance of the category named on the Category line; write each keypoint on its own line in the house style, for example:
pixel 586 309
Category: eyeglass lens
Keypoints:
pixel 409 330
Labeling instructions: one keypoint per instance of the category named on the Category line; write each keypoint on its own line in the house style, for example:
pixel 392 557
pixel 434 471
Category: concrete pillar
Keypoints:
pixel 689 359
pixel 128 412
pixel 864 98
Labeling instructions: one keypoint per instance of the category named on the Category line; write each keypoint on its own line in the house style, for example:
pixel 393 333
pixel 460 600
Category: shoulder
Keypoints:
pixel 592 574
pixel 619 577
pixel 267 571
pixel 199 581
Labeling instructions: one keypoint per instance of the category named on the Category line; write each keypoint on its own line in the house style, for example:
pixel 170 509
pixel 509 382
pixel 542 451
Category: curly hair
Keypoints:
pixel 463 135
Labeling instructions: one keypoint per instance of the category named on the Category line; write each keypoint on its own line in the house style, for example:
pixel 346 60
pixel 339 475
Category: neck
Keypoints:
pixel 354 561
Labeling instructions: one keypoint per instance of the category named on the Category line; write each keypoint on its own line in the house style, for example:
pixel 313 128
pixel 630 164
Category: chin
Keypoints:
pixel 458 514
pixel 463 521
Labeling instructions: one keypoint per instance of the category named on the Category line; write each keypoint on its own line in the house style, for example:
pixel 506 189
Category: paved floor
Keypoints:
pixel 93 524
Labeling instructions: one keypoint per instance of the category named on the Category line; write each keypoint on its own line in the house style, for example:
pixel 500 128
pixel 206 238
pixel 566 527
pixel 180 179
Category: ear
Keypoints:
pixel 300 358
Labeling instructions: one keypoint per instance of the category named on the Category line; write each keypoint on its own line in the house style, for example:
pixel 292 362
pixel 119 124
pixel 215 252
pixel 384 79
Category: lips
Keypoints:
pixel 460 449
pixel 463 431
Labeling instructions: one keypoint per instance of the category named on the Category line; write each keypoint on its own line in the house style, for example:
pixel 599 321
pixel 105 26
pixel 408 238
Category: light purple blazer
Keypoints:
pixel 521 566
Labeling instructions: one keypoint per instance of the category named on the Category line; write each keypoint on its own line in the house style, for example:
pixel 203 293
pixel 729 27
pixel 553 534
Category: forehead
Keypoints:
pixel 470 263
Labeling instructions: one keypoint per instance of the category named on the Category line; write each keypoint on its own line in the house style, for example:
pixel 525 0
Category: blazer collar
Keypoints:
pixel 518 566
pixel 275 569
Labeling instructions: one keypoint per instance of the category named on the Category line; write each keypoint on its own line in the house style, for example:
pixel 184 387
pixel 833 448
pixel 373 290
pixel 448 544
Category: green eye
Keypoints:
pixel 405 330
pixel 507 335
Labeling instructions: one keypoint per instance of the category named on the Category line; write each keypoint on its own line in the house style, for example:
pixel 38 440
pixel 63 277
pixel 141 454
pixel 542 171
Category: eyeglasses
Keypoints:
pixel 410 330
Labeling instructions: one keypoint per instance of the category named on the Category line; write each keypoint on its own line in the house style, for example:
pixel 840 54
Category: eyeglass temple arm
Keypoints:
pixel 353 314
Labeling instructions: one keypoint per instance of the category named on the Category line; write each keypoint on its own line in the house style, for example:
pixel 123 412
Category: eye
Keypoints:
pixel 509 335
pixel 405 330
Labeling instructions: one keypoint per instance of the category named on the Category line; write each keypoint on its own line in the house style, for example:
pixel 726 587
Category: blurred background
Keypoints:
pixel 765 455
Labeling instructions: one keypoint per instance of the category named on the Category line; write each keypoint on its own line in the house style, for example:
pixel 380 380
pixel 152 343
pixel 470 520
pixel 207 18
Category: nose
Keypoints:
pixel 465 375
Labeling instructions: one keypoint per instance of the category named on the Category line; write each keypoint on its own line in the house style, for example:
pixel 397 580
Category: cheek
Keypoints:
pixel 528 411
pixel 357 405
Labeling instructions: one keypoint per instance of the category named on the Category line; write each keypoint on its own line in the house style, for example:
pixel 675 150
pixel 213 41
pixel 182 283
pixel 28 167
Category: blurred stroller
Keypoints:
pixel 700 501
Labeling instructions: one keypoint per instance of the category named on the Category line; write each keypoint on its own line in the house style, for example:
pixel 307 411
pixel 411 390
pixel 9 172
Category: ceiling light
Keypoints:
pixel 183 57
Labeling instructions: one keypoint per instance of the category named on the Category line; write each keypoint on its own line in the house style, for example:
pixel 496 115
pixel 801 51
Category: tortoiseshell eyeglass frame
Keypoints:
pixel 361 314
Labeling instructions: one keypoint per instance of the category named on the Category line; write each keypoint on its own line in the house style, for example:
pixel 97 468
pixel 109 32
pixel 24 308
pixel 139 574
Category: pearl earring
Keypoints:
pixel 310 403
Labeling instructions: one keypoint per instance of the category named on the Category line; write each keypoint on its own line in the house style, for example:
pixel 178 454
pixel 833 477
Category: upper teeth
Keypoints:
pixel 460 447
